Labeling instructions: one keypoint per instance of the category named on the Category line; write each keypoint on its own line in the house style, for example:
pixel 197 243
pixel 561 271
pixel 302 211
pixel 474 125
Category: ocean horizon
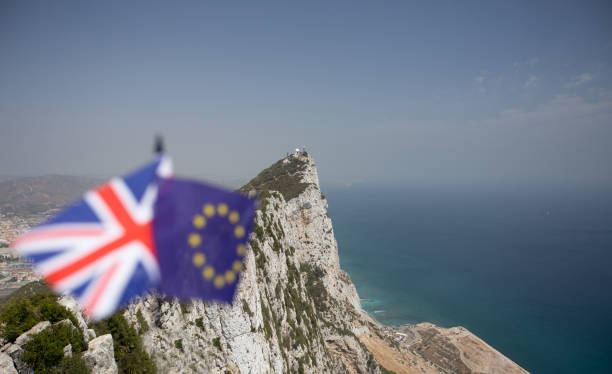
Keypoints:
pixel 526 271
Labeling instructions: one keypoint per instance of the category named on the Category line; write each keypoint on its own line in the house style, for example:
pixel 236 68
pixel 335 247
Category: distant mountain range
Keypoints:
pixel 32 195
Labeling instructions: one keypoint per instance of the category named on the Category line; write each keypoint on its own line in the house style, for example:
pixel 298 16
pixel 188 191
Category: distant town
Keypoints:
pixel 14 271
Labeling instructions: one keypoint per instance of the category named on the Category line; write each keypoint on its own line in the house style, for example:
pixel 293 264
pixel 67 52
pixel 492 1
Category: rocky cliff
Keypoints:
pixel 296 310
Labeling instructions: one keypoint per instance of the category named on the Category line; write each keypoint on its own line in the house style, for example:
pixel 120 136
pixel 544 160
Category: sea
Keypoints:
pixel 527 270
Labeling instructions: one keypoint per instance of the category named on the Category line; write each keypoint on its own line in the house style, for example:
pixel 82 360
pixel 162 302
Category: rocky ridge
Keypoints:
pixel 296 310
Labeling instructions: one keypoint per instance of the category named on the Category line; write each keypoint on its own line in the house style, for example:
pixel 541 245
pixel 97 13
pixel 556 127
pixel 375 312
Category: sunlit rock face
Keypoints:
pixel 293 306
pixel 295 310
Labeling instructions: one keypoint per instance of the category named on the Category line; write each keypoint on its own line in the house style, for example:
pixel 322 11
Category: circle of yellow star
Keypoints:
pixel 241 249
pixel 237 266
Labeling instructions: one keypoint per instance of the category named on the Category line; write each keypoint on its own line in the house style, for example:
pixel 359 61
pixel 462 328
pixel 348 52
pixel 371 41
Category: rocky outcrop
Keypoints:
pixel 26 336
pixel 14 351
pixel 100 355
pixel 6 364
pixel 72 305
pixel 68 350
pixel 295 309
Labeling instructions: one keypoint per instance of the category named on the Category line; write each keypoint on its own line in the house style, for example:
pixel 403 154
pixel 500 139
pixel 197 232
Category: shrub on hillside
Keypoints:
pixel 282 177
pixel 73 365
pixel 45 351
pixel 28 306
pixel 129 353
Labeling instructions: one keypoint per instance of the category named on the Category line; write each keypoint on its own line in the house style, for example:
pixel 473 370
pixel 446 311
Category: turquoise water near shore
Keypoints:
pixel 529 272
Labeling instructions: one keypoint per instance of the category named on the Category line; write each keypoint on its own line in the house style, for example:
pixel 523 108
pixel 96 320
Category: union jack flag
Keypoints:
pixel 102 248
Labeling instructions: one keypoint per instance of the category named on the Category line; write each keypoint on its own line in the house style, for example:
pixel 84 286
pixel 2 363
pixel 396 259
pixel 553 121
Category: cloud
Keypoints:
pixel 479 79
pixel 580 79
pixel 517 65
pixel 531 81
pixel 563 110
pixel 564 141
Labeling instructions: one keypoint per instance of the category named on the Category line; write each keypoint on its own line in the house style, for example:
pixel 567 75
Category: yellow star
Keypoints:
pixel 219 281
pixel 208 272
pixel 230 276
pixel 194 239
pixel 199 259
pixel 209 210
pixel 199 221
pixel 222 209
pixel 239 231
pixel 234 217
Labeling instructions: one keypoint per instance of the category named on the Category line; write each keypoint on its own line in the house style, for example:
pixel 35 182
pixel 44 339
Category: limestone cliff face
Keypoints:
pixel 295 309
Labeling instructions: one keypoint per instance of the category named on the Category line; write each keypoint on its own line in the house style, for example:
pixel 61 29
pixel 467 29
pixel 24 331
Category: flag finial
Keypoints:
pixel 158 148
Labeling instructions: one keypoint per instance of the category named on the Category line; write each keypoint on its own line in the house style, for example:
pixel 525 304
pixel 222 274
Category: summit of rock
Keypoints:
pixel 290 176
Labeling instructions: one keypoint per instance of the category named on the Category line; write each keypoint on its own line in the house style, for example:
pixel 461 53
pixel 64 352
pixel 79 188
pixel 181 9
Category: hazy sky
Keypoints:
pixel 438 92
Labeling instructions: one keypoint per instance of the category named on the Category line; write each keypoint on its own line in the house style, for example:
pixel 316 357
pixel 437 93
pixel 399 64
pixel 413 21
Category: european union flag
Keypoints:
pixel 201 234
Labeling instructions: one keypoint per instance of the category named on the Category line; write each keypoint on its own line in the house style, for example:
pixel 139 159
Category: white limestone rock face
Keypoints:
pixel 100 356
pixel 6 364
pixel 295 309
pixel 27 336
pixel 274 325
pixel 68 350
pixel 14 351
pixel 72 305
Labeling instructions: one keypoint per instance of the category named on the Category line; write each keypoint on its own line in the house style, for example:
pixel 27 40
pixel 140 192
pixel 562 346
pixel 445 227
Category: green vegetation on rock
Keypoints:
pixel 386 371
pixel 283 177
pixel 129 354
pixel 73 365
pixel 144 326
pixel 179 344
pixel 45 351
pixel 246 309
pixel 314 286
pixel 27 306
pixel 217 343
pixel 200 323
